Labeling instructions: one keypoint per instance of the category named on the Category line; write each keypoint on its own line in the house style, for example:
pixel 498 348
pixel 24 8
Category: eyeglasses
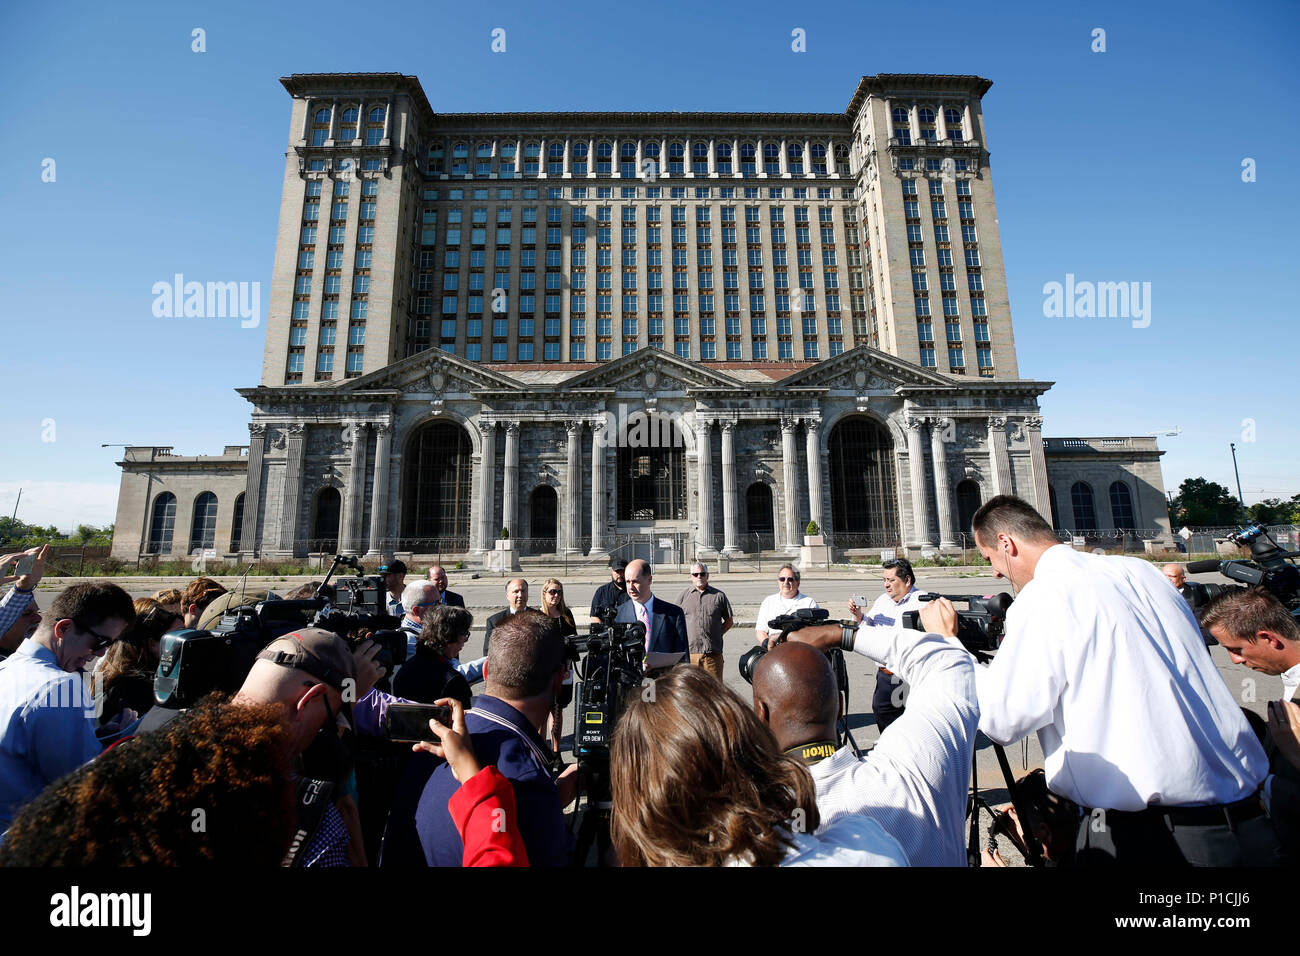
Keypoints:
pixel 787 580
pixel 554 592
pixel 699 574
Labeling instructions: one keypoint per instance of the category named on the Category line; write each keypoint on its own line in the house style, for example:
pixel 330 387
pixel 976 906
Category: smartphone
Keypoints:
pixel 25 565
pixel 409 723
pixel 861 601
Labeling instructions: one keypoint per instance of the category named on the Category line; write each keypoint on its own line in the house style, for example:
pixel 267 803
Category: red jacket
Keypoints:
pixel 483 810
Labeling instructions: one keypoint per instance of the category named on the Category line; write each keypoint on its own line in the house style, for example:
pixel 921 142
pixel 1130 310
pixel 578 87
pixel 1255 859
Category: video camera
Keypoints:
pixel 193 663
pixel 1271 567
pixel 614 662
pixel 980 627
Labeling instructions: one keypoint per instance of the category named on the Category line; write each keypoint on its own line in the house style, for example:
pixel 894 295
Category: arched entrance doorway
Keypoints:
pixel 968 502
pixel 436 480
pixel 325 526
pixel 864 492
pixel 760 522
pixel 543 507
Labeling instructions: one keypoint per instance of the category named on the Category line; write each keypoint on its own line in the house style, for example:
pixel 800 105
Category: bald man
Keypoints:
pixel 1193 592
pixel 665 624
pixel 914 781
pixel 516 601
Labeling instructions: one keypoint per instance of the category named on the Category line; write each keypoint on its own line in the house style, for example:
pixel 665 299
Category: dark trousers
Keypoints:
pixel 1110 838
pixel 889 688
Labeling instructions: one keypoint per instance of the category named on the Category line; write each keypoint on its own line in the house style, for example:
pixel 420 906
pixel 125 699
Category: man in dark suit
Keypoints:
pixel 665 623
pixel 516 601
pixel 438 577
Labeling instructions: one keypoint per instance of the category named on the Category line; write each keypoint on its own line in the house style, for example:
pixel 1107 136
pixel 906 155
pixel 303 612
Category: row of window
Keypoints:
pixel 921 124
pixel 349 130
pixel 203 523
pixel 604 350
pixel 458 194
pixel 1085 512
pixel 631 158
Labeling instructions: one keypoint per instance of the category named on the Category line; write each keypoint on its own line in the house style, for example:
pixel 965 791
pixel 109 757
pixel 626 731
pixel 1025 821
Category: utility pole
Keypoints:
pixel 1240 500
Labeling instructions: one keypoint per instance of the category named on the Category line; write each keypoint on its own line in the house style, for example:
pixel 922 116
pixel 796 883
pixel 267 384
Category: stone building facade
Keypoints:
pixel 709 329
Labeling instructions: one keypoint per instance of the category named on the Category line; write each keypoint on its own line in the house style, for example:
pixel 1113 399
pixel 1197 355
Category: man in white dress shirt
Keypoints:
pixel 900 595
pixel 1105 660
pixel 914 781
pixel 786 600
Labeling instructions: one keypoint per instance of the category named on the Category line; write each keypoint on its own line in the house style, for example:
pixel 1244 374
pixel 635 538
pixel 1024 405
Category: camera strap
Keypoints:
pixel 814 752
pixel 310 803
pixel 542 761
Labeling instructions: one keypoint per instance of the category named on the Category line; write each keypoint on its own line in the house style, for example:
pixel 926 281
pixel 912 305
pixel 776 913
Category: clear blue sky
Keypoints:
pixel 1115 166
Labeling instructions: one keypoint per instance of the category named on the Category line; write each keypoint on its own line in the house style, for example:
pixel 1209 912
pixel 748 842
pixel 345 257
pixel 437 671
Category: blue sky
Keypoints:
pixel 1117 166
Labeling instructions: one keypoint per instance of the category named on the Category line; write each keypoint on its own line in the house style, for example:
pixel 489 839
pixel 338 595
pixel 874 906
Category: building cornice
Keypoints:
pixel 910 85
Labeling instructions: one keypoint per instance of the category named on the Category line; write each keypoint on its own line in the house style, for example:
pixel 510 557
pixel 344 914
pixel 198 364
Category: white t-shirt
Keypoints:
pixel 774 606
pixel 887 612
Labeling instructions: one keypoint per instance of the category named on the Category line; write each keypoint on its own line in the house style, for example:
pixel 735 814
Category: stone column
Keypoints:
pixel 486 486
pixel 353 542
pixel 379 494
pixel 704 459
pixel 813 449
pixel 941 430
pixel 572 486
pixel 291 503
pixel 785 160
pixel 510 493
pixel 998 462
pixel 713 158
pixel 599 500
pixel 916 468
pixel 1037 461
pixel 248 538
pixel 789 453
pixel 730 544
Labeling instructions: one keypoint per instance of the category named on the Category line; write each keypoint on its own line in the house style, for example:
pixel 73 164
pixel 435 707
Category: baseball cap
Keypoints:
pixel 321 653
pixel 393 567
pixel 618 564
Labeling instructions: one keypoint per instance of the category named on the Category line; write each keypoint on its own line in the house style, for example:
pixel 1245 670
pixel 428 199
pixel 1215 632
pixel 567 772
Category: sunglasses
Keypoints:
pixel 553 592
pixel 699 574
pixel 100 640
pixel 787 580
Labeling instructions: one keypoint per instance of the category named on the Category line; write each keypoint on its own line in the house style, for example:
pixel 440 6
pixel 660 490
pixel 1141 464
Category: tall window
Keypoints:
pixel 651 470
pixel 325 528
pixel 436 483
pixel 237 526
pixel 162 523
pixel 1121 506
pixel 203 529
pixel 1085 515
pixel 863 497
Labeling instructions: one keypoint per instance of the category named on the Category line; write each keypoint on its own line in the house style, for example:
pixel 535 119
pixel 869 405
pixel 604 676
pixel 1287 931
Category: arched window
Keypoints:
pixel 771 158
pixel 968 502
pixel 1121 506
pixel 325 527
pixel 322 116
pixel 350 116
pixel 747 159
pixel 863 490
pixel 952 119
pixel 483 150
pixel 794 157
pixel 436 482
pixel 556 150
pixel 676 153
pixel 162 523
pixel 723 151
pixel 902 126
pixel 925 119
pixel 203 529
pixel 579 150
pixel 650 149
pixel 1085 515
pixel 377 115
pixel 237 526
pixel 760 526
pixel 604 149
pixel 627 149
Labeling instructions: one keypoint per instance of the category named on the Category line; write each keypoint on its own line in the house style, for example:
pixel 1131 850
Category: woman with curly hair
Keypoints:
pixel 212 787
pixel 430 674
pixel 698 781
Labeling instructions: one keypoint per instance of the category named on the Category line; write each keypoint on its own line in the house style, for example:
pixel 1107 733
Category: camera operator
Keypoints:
pixel 914 781
pixel 525 671
pixel 313 674
pixel 1256 629
pixel 900 596
pixel 1105 660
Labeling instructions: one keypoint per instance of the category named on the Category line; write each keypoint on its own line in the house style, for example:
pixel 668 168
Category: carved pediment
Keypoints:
pixel 652 371
pixel 862 370
pixel 433 372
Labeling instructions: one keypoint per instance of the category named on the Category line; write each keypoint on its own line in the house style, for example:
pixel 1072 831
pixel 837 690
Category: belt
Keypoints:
pixel 1231 813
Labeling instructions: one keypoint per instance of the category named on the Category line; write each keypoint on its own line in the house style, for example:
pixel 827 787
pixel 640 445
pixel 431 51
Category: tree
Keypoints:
pixel 1276 511
pixel 1201 503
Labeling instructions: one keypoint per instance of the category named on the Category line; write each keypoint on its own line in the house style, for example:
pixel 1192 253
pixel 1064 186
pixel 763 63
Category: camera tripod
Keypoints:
pixel 1033 851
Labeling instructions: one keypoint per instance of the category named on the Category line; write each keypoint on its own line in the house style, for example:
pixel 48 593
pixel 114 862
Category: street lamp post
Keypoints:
pixel 1241 501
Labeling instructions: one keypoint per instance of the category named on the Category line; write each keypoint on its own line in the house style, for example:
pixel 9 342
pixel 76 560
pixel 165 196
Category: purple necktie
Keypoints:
pixel 644 617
